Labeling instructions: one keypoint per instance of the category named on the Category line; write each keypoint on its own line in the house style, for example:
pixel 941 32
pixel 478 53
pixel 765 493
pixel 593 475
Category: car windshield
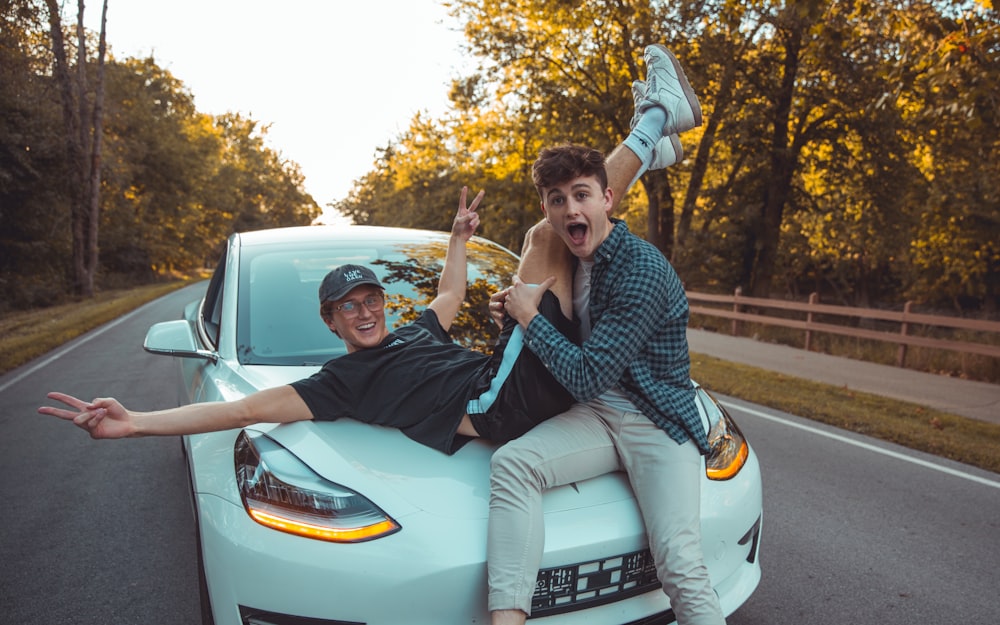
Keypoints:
pixel 278 320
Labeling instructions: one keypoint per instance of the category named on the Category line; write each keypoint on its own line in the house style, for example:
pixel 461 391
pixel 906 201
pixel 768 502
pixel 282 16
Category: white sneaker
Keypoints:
pixel 668 88
pixel 668 150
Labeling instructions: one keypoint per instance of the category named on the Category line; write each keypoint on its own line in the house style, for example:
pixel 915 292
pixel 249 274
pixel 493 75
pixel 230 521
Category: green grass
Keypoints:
pixel 27 335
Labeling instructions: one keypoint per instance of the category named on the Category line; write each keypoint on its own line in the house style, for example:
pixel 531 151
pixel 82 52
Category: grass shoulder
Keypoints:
pixel 917 427
pixel 25 335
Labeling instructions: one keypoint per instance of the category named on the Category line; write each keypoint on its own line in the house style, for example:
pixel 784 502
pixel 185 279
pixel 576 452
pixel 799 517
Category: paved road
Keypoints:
pixel 99 533
pixel 865 532
pixel 95 532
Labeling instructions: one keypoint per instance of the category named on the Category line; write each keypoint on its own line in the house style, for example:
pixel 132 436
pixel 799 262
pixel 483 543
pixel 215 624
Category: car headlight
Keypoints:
pixel 283 493
pixel 728 449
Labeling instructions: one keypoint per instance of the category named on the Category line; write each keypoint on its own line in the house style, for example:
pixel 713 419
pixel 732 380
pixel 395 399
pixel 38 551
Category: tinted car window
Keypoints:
pixel 278 312
pixel 211 311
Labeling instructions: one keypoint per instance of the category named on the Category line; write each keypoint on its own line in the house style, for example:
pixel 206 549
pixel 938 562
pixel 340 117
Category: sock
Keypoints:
pixel 648 130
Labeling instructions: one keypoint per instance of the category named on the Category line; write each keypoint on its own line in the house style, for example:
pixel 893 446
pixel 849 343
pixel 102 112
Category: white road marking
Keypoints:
pixel 863 445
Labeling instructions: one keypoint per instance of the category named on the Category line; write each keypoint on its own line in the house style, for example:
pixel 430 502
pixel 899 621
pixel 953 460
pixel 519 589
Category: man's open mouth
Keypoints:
pixel 577 232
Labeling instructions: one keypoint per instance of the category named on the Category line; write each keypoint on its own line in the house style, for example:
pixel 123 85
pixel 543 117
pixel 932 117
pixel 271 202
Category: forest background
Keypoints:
pixel 849 148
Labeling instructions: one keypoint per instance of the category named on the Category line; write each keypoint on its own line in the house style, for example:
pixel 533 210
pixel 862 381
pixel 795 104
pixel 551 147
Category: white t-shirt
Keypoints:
pixel 614 396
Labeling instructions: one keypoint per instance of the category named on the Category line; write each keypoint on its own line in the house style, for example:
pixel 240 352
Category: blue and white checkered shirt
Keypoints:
pixel 639 315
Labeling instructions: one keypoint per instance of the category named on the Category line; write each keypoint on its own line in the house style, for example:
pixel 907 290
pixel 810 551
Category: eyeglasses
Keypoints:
pixel 351 308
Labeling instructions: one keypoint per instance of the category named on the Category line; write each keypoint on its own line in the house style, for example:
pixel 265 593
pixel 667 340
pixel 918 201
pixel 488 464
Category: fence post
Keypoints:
pixel 904 328
pixel 735 329
pixel 813 298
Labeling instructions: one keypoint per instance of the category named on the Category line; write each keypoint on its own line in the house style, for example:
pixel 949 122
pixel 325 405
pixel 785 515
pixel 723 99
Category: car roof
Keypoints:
pixel 316 234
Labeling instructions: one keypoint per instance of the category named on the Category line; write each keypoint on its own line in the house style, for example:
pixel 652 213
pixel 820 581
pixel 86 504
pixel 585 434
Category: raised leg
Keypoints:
pixel 544 254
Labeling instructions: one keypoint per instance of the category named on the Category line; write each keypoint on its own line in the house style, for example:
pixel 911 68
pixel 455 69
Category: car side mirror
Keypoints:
pixel 175 338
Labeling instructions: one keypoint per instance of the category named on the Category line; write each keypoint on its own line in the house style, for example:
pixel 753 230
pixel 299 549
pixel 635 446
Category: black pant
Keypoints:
pixel 530 394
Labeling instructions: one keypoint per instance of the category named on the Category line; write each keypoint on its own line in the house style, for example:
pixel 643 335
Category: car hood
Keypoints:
pixel 403 476
pixel 396 472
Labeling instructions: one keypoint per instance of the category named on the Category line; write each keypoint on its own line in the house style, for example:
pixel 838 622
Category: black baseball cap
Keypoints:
pixel 341 280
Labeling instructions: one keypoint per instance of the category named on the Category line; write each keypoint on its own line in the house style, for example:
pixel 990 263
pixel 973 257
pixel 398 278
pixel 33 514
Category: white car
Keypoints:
pixel 325 523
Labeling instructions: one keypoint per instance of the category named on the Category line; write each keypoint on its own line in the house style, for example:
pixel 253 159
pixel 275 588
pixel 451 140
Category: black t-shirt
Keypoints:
pixel 417 380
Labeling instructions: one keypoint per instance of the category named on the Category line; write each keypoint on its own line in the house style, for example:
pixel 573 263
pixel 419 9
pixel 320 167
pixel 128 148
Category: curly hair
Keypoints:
pixel 563 163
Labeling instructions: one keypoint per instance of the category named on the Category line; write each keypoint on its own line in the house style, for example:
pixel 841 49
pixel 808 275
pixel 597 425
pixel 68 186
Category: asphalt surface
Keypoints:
pixel 967 398
pixel 96 532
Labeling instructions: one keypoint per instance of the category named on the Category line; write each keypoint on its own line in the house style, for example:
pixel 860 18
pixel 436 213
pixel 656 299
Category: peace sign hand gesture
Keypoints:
pixel 466 219
pixel 101 418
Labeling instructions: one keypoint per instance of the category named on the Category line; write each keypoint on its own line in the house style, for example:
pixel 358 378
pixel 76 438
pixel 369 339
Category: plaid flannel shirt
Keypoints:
pixel 639 316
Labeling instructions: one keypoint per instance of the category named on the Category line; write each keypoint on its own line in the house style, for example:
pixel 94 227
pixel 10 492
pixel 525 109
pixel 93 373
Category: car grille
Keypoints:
pixel 588 584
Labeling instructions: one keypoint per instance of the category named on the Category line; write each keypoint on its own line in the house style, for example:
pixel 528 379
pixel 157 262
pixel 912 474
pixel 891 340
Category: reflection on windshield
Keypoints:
pixel 420 267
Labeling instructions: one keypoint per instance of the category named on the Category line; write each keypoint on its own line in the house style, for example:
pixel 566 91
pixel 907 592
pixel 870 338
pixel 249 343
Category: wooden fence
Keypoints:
pixel 736 305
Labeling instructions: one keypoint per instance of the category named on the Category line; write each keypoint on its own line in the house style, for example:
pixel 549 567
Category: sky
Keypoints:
pixel 334 79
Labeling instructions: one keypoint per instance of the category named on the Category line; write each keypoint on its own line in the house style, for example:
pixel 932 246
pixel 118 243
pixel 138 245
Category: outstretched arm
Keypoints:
pixel 452 284
pixel 106 417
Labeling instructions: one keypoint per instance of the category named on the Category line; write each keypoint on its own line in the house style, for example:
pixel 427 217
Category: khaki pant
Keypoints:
pixel 588 440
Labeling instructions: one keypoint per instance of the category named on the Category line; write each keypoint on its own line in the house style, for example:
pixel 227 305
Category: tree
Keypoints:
pixel 159 211
pixel 254 184
pixel 170 183
pixel 848 148
pixel 82 123
pixel 953 71
pixel 34 232
pixel 854 185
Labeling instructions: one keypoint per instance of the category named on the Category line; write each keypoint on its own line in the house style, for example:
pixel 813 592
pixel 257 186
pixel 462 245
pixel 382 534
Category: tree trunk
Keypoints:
pixel 71 125
pixel 660 216
pixel 783 159
pixel 93 210
pixel 82 133
pixel 701 159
